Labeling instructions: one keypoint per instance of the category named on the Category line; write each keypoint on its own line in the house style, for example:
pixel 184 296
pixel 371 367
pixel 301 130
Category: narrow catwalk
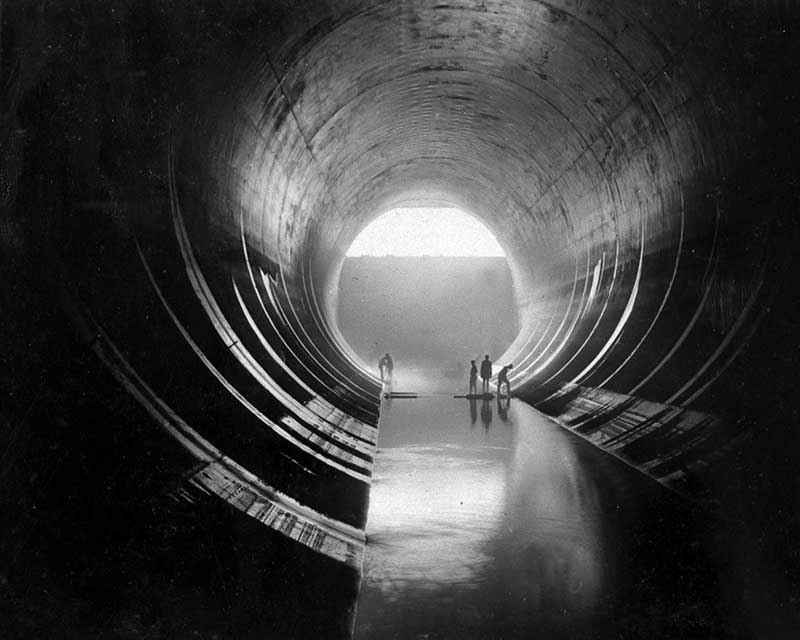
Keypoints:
pixel 491 521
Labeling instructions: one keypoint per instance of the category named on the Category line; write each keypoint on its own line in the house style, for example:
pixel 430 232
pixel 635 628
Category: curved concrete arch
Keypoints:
pixel 181 181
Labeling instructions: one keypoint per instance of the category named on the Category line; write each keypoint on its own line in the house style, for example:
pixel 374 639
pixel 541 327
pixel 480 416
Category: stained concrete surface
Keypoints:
pixel 180 180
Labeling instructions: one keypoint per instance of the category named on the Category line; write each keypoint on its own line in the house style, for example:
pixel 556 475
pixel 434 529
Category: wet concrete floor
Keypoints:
pixel 487 520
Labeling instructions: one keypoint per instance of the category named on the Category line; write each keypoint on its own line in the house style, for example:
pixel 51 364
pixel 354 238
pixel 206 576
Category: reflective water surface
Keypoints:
pixel 487 520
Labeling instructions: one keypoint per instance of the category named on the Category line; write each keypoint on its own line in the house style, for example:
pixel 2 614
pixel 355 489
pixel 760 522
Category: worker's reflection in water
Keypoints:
pixel 473 410
pixel 502 407
pixel 486 413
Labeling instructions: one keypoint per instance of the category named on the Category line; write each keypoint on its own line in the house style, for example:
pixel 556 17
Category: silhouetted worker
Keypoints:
pixel 386 365
pixel 473 378
pixel 486 373
pixel 502 379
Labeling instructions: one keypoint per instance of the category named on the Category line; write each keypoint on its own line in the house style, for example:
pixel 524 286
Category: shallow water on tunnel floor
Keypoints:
pixel 490 521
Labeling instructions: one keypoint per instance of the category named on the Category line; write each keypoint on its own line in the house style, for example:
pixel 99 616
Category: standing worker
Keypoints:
pixel 502 379
pixel 386 365
pixel 486 373
pixel 473 378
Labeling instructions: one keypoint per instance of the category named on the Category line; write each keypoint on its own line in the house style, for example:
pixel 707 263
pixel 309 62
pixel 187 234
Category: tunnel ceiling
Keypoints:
pixel 548 120
pixel 578 131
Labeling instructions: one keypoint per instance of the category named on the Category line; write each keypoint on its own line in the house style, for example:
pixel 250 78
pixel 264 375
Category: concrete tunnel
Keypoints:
pixel 181 180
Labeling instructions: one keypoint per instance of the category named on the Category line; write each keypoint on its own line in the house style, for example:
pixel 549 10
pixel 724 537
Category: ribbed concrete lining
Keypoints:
pixel 630 161
pixel 579 135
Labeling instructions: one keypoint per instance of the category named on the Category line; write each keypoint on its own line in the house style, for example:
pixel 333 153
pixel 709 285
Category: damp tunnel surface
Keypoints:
pixel 182 420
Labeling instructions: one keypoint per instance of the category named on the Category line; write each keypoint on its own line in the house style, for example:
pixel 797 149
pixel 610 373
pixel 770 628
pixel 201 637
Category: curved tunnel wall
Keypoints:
pixel 188 188
pixel 597 144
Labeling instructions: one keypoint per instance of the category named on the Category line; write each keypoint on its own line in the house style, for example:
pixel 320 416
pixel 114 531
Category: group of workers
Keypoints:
pixel 486 376
pixel 386 365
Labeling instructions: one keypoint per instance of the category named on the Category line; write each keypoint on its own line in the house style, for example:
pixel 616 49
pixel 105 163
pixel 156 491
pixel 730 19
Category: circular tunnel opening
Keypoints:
pixel 432 286
pixel 178 195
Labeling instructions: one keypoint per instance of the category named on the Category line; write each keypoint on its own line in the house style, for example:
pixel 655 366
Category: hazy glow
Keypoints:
pixel 426 231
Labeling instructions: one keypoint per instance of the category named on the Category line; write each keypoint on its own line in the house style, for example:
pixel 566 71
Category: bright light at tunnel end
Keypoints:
pixel 425 231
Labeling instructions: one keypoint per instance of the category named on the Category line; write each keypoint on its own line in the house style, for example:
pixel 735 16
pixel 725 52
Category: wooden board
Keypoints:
pixel 477 396
pixel 482 396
